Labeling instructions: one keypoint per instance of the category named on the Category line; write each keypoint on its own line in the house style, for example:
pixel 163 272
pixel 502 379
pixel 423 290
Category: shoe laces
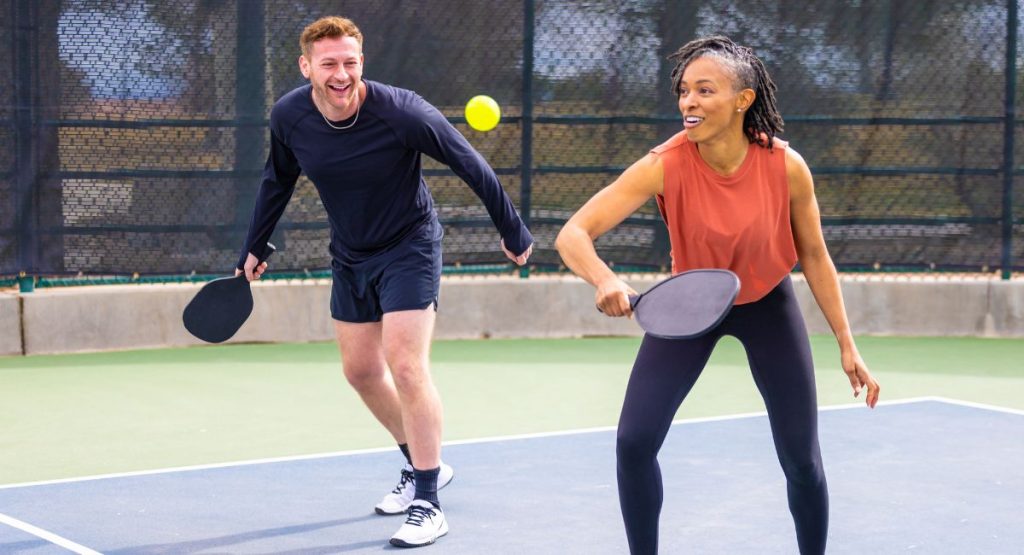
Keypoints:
pixel 406 481
pixel 419 513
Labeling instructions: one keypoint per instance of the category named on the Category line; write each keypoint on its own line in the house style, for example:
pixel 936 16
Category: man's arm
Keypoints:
pixel 427 131
pixel 279 176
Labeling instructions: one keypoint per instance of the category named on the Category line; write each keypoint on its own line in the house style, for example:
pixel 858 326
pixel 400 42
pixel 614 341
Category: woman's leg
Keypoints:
pixel 772 331
pixel 664 372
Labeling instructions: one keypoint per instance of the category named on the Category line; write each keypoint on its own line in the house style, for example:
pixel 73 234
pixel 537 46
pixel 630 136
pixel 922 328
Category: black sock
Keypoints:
pixel 426 485
pixel 405 451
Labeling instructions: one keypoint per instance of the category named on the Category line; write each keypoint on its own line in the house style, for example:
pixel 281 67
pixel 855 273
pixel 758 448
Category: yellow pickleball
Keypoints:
pixel 482 113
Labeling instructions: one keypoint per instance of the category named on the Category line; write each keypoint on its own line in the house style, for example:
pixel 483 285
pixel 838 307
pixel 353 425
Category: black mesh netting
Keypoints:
pixel 132 132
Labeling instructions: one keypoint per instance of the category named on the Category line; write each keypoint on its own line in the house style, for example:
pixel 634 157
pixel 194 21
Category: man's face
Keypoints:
pixel 335 69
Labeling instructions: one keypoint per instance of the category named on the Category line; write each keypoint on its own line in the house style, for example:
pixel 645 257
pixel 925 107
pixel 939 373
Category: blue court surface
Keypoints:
pixel 922 476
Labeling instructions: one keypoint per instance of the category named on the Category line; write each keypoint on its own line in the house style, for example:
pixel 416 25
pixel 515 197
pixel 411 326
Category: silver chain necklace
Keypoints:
pixel 343 127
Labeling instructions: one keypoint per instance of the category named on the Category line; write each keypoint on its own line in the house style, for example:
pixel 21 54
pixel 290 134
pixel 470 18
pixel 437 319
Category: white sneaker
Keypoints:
pixel 423 526
pixel 398 501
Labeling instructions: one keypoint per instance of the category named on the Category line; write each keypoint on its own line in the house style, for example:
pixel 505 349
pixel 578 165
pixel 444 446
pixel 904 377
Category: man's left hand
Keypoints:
pixel 521 259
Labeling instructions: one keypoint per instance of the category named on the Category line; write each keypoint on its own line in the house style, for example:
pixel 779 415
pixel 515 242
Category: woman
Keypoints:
pixel 733 196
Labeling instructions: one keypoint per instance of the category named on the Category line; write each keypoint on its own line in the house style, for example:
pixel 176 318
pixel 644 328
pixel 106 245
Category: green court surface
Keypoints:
pixel 88 414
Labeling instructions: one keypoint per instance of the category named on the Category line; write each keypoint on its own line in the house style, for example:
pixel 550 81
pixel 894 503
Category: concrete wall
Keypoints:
pixel 133 316
pixel 1006 309
pixel 536 307
pixel 983 308
pixel 10 324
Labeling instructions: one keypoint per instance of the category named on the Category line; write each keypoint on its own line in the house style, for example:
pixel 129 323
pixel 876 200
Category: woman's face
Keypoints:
pixel 709 102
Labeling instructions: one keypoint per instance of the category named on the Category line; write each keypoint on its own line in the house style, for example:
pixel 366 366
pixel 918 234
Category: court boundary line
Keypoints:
pixel 514 437
pixel 46 535
pixel 974 405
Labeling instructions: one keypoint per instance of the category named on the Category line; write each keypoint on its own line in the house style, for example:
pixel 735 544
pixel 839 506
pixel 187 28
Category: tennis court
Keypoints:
pixel 264 449
pixel 142 170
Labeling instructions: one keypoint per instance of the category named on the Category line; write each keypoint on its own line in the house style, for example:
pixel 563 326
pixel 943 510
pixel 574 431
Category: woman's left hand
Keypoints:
pixel 860 377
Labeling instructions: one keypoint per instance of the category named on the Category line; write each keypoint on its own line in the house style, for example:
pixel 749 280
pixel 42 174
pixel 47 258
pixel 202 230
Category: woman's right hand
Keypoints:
pixel 612 297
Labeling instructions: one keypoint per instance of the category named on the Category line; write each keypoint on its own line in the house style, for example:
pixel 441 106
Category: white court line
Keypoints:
pixel 683 421
pixel 974 405
pixel 294 458
pixel 48 536
pixel 200 467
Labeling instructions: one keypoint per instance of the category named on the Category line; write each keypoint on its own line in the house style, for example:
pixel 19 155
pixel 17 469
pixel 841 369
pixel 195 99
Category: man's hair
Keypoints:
pixel 762 120
pixel 331 27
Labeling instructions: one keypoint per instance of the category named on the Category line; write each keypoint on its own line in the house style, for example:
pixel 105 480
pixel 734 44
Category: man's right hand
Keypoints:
pixel 252 269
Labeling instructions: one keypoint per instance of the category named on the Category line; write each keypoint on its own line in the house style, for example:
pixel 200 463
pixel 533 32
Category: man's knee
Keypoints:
pixel 410 375
pixel 365 376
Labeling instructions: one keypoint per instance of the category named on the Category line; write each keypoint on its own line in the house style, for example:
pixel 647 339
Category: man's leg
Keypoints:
pixel 406 337
pixel 406 340
pixel 362 357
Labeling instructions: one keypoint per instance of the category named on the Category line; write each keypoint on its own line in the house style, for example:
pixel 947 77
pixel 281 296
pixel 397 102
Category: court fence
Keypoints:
pixel 133 133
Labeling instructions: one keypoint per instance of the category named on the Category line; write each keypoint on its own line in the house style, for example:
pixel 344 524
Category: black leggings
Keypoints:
pixel 772 332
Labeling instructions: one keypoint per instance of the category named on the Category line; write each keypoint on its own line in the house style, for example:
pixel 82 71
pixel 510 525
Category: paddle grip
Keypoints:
pixel 633 299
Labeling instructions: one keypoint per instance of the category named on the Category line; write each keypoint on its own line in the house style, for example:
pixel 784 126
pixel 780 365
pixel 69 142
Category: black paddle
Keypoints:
pixel 686 305
pixel 220 307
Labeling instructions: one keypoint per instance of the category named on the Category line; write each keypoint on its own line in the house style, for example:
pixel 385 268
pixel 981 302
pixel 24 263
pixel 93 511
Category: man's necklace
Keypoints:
pixel 343 127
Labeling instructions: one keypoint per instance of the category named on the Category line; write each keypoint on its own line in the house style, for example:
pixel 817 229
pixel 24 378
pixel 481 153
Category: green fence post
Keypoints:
pixel 250 98
pixel 26 283
pixel 25 159
pixel 526 168
pixel 1009 132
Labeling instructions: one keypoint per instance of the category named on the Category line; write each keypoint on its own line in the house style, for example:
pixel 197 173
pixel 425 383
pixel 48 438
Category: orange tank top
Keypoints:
pixel 739 222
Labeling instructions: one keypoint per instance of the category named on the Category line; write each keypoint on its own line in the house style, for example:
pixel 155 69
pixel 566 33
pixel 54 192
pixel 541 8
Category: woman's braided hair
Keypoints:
pixel 762 120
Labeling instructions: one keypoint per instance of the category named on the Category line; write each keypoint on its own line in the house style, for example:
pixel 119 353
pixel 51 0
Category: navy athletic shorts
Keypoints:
pixel 406 276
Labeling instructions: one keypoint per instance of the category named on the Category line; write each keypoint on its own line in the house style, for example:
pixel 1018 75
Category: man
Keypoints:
pixel 360 142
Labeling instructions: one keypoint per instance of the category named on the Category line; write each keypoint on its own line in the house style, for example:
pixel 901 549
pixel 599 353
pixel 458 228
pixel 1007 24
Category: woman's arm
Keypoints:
pixel 821 274
pixel 604 211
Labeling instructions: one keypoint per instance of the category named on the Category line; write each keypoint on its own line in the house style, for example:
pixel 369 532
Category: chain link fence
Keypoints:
pixel 133 132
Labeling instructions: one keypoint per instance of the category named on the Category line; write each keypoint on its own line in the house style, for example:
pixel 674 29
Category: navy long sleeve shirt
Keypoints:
pixel 369 176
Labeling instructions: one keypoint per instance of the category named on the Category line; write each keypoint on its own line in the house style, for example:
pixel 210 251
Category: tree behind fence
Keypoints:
pixel 133 133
